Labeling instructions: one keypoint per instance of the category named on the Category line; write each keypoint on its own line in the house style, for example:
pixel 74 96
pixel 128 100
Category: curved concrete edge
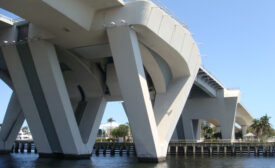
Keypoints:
pixel 157 30
pixel 244 116
pixel 89 81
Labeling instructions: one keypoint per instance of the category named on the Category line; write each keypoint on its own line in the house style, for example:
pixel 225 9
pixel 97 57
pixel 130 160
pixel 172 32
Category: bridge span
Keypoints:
pixel 68 58
pixel 211 101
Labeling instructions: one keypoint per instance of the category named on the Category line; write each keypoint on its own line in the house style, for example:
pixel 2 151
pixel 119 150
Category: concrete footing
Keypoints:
pixel 151 160
pixel 3 152
pixel 64 156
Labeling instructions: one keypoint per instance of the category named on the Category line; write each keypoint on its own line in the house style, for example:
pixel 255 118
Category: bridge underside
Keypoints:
pixel 65 66
pixel 62 92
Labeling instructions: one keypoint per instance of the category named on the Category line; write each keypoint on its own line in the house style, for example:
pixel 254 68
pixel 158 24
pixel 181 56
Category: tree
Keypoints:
pixel 26 130
pixel 262 127
pixel 239 134
pixel 121 131
pixel 110 120
pixel 207 131
pixel 256 127
pixel 266 126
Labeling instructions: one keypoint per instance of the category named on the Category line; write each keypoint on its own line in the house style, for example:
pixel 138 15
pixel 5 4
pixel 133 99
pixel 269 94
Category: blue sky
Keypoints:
pixel 238 44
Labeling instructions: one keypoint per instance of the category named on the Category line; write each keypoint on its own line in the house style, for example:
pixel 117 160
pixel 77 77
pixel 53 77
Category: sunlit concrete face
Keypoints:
pixel 64 66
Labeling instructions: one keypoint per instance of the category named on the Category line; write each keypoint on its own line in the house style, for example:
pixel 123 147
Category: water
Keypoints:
pixel 32 161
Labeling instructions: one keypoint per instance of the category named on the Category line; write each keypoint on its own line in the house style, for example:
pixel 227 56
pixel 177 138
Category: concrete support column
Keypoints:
pixel 91 119
pixel 210 150
pixel 185 150
pixel 134 90
pixel 179 132
pixel 23 90
pixel 220 109
pixel 59 106
pixel 244 129
pixel 12 123
pixel 194 149
pixel 192 129
pixel 202 150
pixel 225 150
pixel 42 93
pixel 151 126
pixel 228 120
pixel 176 150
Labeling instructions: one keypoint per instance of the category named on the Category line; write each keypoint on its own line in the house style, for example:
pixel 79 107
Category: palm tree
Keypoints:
pixel 26 130
pixel 256 127
pixel 262 127
pixel 266 126
pixel 110 120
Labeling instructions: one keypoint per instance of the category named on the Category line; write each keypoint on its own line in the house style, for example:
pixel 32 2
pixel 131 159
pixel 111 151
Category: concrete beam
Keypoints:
pixel 205 87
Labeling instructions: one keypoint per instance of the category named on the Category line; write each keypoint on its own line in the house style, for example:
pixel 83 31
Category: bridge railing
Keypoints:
pixel 5 18
pixel 11 20
pixel 166 10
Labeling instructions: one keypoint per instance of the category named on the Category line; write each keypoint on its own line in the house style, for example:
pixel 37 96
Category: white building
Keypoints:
pixel 24 136
pixel 108 127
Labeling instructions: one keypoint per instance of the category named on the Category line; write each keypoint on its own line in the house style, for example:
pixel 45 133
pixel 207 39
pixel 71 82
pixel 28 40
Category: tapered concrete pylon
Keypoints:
pixel 151 125
pixel 42 94
pixel 13 118
pixel 192 129
pixel 244 129
pixel 12 123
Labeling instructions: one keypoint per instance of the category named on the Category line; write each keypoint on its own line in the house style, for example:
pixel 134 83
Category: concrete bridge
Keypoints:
pixel 209 100
pixel 69 58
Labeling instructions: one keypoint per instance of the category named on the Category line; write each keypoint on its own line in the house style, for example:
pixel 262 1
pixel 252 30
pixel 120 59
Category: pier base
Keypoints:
pixel 185 150
pixel 64 156
pixel 151 160
pixel 4 152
